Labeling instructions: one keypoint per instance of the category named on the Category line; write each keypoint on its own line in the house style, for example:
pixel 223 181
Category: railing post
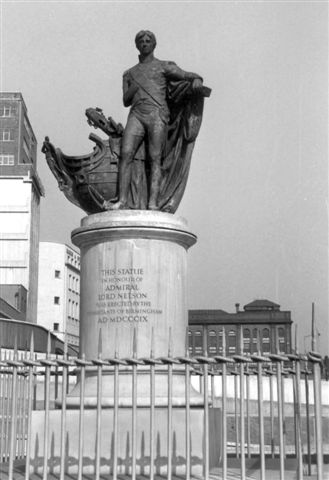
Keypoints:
pixel 12 446
pixel 30 363
pixel 82 364
pixel 7 409
pixel 315 358
pixel 260 360
pixel 299 424
pixel 308 433
pixel 99 363
pixel 236 414
pixel 223 361
pixel 242 423
pixel 271 379
pixel 2 410
pixel 241 359
pixel 47 363
pixel 279 359
pixel 248 410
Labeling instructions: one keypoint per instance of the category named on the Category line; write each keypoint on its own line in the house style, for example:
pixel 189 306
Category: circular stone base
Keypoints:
pixel 133 297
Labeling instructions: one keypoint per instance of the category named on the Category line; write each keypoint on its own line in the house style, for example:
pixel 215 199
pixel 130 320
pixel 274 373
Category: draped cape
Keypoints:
pixel 186 110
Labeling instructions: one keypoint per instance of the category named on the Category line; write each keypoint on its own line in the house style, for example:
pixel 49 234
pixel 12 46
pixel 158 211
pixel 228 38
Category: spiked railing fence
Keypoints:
pixel 29 382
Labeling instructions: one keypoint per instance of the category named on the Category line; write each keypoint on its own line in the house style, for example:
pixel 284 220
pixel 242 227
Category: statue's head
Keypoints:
pixel 145 41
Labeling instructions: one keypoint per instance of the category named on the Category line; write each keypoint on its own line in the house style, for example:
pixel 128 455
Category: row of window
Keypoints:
pixel 73 258
pixel 10 160
pixel 73 284
pixel 7 160
pixel 73 309
pixel 73 340
pixel 73 281
pixel 250 344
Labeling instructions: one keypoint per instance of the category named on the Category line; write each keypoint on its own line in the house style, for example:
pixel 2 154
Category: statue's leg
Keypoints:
pixel 132 138
pixel 157 137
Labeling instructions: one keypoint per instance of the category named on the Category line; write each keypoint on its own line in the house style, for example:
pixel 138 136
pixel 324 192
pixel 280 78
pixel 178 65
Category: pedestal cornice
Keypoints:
pixel 126 224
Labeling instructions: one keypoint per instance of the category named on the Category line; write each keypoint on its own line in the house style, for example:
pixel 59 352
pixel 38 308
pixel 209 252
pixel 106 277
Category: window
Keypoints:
pixel 56 300
pixel 56 327
pixel 26 148
pixel 232 341
pixel 282 340
pixel 5 112
pixel 26 125
pixel 70 282
pixel 7 136
pixel 190 343
pixel 198 347
pixel 254 340
pixel 17 306
pixel 266 340
pixel 212 342
pixel 246 340
pixel 57 274
pixel 7 159
pixel 220 342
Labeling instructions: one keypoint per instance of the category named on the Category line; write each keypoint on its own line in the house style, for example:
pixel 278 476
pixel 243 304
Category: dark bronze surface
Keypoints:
pixel 145 165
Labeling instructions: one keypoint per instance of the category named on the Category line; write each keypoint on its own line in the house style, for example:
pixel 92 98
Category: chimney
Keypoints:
pixel 237 305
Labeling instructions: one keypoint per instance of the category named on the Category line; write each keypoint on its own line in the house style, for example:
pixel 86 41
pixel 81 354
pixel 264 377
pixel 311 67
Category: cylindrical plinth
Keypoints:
pixel 133 274
pixel 133 278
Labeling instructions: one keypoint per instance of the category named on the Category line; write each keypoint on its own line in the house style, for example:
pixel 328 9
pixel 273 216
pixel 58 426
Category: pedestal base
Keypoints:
pixel 133 299
pixel 143 389
pixel 124 441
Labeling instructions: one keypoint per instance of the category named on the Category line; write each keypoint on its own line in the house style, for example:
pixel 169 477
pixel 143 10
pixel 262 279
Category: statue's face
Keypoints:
pixel 145 45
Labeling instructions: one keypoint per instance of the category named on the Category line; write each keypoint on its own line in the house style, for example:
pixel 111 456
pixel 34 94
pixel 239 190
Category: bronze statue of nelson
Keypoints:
pixel 145 90
pixel 146 165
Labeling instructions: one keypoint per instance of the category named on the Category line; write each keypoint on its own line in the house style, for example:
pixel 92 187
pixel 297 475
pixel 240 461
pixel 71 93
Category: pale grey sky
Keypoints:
pixel 258 187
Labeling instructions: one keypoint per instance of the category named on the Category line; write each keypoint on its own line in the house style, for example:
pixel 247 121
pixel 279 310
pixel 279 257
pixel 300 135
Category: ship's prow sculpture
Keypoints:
pixel 144 166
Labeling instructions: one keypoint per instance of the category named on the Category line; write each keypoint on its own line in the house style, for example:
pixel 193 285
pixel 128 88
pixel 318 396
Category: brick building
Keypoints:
pixel 261 319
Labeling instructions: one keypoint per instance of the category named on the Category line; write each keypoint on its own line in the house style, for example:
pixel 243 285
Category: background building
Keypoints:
pixel 17 334
pixel 260 319
pixel 59 290
pixel 13 300
pixel 20 192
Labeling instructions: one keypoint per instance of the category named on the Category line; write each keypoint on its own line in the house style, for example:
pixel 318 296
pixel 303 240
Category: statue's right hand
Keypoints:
pixel 197 85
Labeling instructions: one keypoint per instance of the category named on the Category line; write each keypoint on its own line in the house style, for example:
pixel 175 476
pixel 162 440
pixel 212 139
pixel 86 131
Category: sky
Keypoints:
pixel 257 194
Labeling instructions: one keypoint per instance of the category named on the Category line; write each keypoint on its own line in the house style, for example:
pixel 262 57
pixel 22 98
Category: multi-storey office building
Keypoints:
pixel 59 290
pixel 261 324
pixel 20 192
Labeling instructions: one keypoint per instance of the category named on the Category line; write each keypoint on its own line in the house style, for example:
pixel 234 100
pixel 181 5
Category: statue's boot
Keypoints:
pixel 115 206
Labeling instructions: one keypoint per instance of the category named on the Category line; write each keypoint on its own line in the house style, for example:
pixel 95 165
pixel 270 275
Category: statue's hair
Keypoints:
pixel 141 35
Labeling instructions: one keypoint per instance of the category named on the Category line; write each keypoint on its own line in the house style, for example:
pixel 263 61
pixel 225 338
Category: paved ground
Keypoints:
pixel 233 474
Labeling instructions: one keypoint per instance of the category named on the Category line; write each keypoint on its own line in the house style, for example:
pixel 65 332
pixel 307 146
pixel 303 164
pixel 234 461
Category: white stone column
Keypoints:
pixel 133 278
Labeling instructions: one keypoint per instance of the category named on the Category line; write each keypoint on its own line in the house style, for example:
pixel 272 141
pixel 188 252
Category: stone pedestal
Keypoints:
pixel 133 304
pixel 124 442
pixel 133 299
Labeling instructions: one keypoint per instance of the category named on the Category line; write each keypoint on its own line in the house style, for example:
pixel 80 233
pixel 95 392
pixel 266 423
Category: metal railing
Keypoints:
pixel 251 428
